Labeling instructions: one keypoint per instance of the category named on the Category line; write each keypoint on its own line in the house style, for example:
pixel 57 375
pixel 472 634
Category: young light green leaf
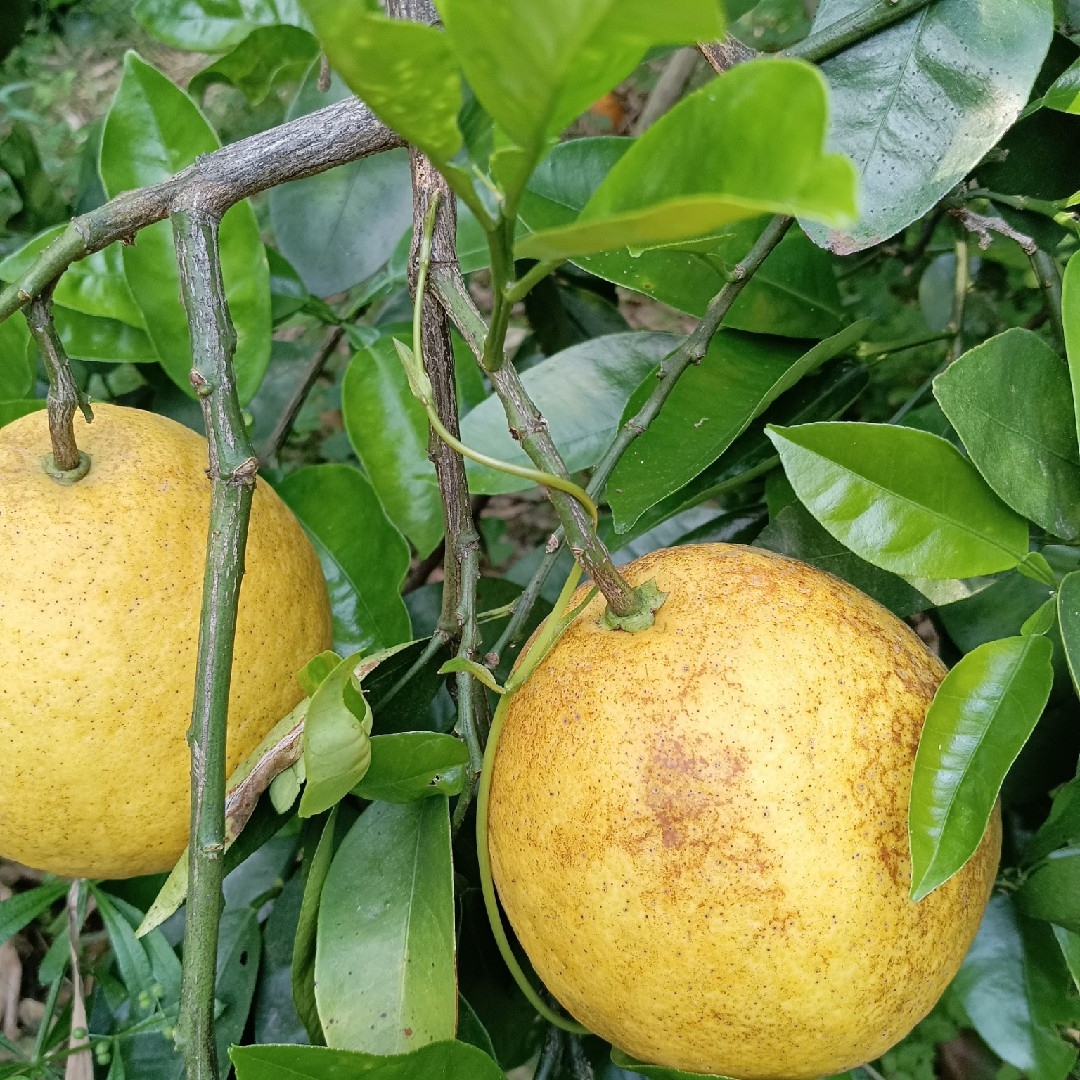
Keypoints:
pixel 1013 987
pixel 444 1060
pixel 1064 93
pixel 315 672
pixel 1069 621
pixel 794 293
pixel 580 391
pixel 384 964
pixel 413 765
pixel 916 106
pixel 405 72
pixel 364 558
pixel 337 750
pixel 1036 567
pixel 711 404
pixel 1042 619
pixel 1010 402
pixel 302 969
pixel 902 499
pixel 535 67
pixel 478 672
pixel 748 143
pixel 154 130
pixel 978 722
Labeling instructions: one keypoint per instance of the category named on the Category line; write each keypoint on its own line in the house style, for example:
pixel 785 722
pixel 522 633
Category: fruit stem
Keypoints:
pixel 232 475
pixel 549 633
pixel 67 464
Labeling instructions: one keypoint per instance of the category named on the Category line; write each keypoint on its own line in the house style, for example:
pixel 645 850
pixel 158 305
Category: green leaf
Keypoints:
pixel 130 955
pixel 1052 890
pixel 1010 402
pixel 268 55
pixel 16 374
pixel 1012 985
pixel 1070 949
pixel 438 1061
pixel 212 26
pixel 302 968
pixel 339 227
pixel 1064 93
pixel 580 391
pixel 652 1072
pixel 747 143
pixel 978 722
pixel 384 966
pixel 413 765
pixel 364 558
pixel 1062 827
pixel 535 67
pixel 712 403
pixel 794 532
pixel 389 431
pixel 239 948
pixel 23 908
pixel 42 203
pixel 405 72
pixel 1069 621
pixel 902 499
pixel 154 130
pixel 917 106
pixel 1042 619
pixel 86 337
pixel 1070 319
pixel 337 750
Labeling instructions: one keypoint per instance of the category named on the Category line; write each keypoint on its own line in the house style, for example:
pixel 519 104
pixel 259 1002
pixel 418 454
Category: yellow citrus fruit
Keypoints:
pixel 100 593
pixel 699 832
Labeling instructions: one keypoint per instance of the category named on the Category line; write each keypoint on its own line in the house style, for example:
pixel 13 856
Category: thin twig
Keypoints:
pixel 233 466
pixel 690 351
pixel 668 89
pixel 1049 278
pixel 310 144
pixel 984 225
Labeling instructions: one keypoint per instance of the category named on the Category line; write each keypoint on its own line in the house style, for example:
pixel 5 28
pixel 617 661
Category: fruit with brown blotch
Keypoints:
pixel 100 594
pixel 699 831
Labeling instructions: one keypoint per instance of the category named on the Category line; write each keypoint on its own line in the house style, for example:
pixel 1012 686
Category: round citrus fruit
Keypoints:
pixel 699 831
pixel 100 594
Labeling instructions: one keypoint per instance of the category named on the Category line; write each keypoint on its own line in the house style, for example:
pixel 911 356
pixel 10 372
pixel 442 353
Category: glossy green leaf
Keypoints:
pixel 384 966
pixel 212 26
pixel 23 908
pixel 95 285
pixel 16 374
pixel 1064 94
pixel 902 499
pixel 1010 401
pixel 87 337
pixel 239 948
pixel 581 392
pixel 535 67
pixel 339 227
pixel 337 750
pixel 748 143
pixel 388 429
pixel 1042 619
pixel 364 558
pixel 978 722
pixel 794 293
pixel 413 765
pixel 302 968
pixel 1062 826
pixel 1012 985
pixel 918 105
pixel 1052 890
pixel 154 130
pixel 1070 320
pixel 405 72
pixel 711 405
pixel 794 532
pixel 1069 621
pixel 269 54
pixel 437 1061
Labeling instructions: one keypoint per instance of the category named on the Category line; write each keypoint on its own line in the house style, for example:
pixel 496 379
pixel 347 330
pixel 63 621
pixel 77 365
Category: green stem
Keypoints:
pixel 548 634
pixel 501 246
pixel 856 27
pixel 961 284
pixel 232 475
pixel 1053 209
pixel 535 274
pixel 1049 278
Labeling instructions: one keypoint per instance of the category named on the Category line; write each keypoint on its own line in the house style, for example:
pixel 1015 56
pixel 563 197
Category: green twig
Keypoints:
pixel 856 27
pixel 535 274
pixel 961 285
pixel 1049 278
pixel 232 476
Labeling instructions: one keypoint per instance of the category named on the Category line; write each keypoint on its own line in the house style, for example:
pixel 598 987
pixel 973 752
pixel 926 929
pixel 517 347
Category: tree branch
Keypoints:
pixel 310 144
pixel 232 475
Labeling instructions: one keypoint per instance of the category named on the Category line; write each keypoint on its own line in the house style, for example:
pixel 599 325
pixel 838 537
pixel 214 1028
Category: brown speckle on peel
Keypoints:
pixel 699 831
